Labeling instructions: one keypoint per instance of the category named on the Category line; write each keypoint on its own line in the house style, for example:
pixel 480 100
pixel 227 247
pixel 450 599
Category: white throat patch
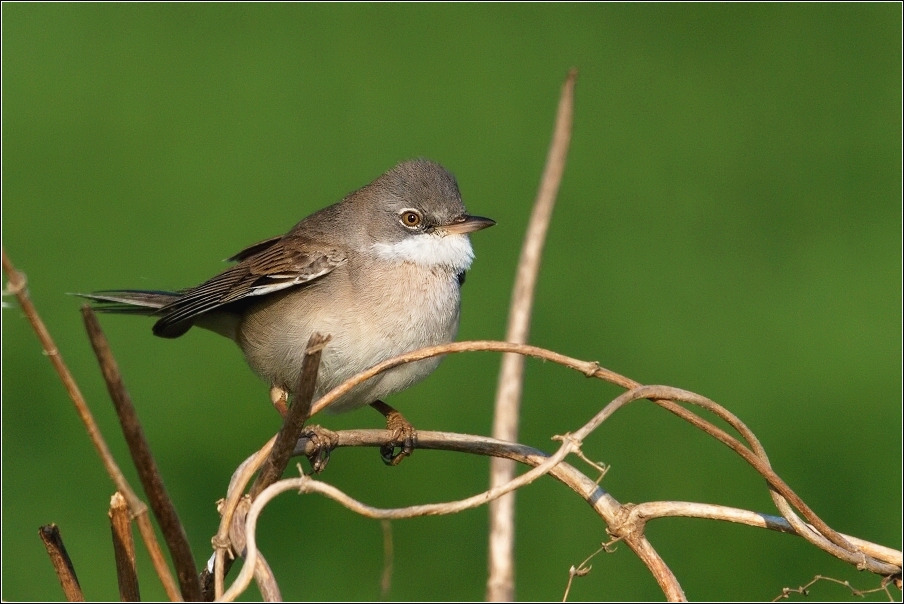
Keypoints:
pixel 430 249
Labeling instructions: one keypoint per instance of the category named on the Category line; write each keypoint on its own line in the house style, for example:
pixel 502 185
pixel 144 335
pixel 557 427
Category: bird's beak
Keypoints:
pixel 468 224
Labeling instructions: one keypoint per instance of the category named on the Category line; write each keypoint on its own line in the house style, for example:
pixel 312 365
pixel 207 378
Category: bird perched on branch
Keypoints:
pixel 380 272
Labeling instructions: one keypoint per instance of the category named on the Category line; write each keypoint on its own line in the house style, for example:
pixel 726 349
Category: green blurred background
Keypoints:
pixel 729 223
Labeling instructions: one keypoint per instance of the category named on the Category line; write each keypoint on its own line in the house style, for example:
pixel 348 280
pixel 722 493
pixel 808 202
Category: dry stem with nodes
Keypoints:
pixel 243 504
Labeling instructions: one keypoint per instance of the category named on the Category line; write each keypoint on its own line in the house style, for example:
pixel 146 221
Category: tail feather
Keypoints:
pixel 139 302
pixel 143 302
pixel 131 301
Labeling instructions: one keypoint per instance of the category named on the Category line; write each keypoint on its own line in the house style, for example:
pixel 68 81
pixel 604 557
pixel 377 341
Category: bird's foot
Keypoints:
pixel 403 435
pixel 320 443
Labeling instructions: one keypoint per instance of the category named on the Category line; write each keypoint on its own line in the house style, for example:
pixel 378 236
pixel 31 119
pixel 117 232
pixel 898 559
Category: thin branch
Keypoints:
pixel 507 411
pixel 581 484
pixel 263 575
pixel 804 589
pixel 227 508
pixel 160 502
pixel 158 560
pixel 608 508
pixel 826 538
pixel 62 564
pixel 644 512
pixel 583 568
pixel 123 549
pixel 588 368
pixel 602 502
pixel 838 547
pixel 17 286
pixel 658 394
pixel 266 581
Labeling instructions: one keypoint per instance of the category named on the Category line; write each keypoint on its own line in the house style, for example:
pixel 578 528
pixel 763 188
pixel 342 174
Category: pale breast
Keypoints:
pixel 413 306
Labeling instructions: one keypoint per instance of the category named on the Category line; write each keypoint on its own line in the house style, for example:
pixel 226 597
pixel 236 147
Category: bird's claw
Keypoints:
pixel 403 436
pixel 321 442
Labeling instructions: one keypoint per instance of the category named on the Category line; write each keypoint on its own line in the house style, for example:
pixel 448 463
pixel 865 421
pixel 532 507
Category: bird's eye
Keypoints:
pixel 410 218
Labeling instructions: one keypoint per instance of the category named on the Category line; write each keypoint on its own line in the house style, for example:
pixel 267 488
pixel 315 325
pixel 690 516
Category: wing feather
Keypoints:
pixel 266 267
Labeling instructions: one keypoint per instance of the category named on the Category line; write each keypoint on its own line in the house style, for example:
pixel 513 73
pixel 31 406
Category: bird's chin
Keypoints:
pixel 452 251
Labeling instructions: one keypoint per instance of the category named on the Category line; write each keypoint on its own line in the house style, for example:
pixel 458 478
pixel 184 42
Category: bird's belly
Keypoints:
pixel 273 335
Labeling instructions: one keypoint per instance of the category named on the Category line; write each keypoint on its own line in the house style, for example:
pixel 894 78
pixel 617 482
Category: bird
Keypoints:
pixel 380 272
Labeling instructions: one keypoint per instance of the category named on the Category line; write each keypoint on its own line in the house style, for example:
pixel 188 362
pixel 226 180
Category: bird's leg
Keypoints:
pixel 404 436
pixel 280 399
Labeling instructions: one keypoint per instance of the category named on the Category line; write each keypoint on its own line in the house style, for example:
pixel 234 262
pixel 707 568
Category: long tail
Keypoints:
pixel 138 302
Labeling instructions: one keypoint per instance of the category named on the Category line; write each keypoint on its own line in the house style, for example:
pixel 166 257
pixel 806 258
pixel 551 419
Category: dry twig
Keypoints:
pixel 583 569
pixel 804 589
pixel 123 549
pixel 161 504
pixel 62 564
pixel 507 410
pixel 17 286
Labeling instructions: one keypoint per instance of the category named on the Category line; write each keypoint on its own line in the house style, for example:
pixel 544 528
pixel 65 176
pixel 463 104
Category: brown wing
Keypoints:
pixel 254 249
pixel 264 268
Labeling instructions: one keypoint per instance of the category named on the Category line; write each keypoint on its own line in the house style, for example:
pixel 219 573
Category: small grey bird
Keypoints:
pixel 380 272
